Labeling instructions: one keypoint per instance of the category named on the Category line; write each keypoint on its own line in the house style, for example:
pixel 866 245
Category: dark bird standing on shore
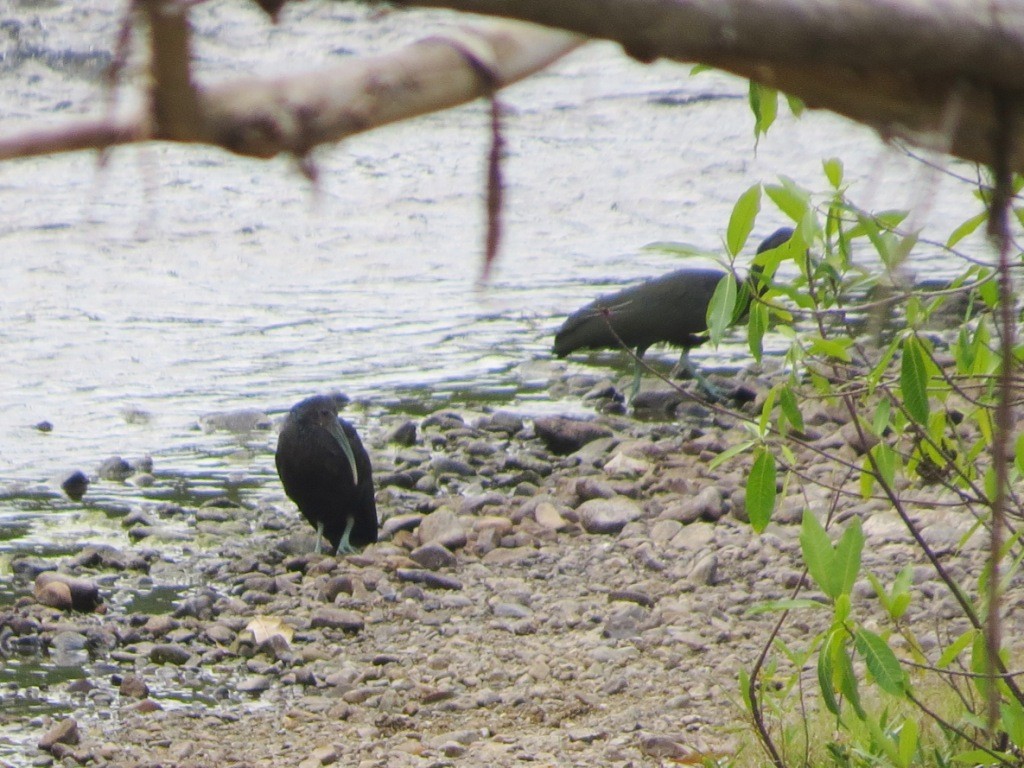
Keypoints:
pixel 326 471
pixel 671 308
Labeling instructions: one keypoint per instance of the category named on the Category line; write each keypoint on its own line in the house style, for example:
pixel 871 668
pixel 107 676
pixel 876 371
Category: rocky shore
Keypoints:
pixel 550 591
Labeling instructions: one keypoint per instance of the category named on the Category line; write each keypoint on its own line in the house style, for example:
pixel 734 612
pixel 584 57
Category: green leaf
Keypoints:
pixel 684 250
pixel 789 198
pixel 846 677
pixel 837 348
pixel 979 663
pixel 900 595
pixel 817 551
pixel 881 662
pixel 764 103
pixel 957 647
pixel 989 483
pixel 761 490
pixel 867 477
pixel 881 421
pixel 757 324
pixel 1012 715
pixel 744 680
pixel 841 608
pixel 909 739
pixel 847 559
pixel 978 757
pixel 741 222
pixel 966 228
pixel 729 452
pixel 834 171
pixel 1019 453
pixel 880 370
pixel 989 293
pixel 892 218
pixel 880 593
pixel 722 308
pixel 790 407
pixel 787 604
pixel 766 411
pixel 885 460
pixel 914 380
pixel 796 105
pixel 826 672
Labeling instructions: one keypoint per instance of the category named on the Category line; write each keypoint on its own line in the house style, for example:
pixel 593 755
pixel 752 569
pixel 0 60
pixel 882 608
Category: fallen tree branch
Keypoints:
pixel 923 71
pixel 265 117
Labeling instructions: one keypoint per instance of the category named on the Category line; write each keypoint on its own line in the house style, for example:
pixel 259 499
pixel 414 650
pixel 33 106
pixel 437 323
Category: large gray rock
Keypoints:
pixel 608 516
pixel 565 436
pixel 444 528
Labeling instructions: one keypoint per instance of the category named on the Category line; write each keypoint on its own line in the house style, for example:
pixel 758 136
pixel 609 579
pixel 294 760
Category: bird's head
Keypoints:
pixel 321 412
pixel 318 411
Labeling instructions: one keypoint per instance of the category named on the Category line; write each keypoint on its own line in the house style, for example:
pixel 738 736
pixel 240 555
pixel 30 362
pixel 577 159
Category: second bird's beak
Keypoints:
pixel 334 427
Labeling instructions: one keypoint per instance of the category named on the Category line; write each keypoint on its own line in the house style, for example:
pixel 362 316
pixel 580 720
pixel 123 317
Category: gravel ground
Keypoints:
pixel 557 592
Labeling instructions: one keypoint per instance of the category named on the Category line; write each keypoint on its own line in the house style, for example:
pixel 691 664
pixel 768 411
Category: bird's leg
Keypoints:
pixel 319 537
pixel 344 546
pixel 637 372
pixel 685 364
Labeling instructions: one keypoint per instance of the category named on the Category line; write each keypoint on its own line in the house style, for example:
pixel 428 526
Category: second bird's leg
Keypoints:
pixel 344 546
pixel 319 537
pixel 638 369
pixel 685 364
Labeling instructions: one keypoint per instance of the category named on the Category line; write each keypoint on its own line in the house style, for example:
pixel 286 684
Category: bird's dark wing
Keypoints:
pixel 362 504
pixel 314 470
pixel 671 308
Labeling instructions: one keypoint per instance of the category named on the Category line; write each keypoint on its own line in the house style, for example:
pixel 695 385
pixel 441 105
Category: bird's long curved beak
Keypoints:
pixel 339 434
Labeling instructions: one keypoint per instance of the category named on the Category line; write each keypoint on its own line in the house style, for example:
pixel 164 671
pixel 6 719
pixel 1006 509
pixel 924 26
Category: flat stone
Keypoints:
pixel 66 593
pixel 707 505
pixel 565 436
pixel 407 522
pixel 433 556
pixel 240 422
pixel 254 684
pixel 404 434
pixel 168 653
pixel 64 732
pixel 509 555
pixel 442 527
pixel 663 531
pixel 114 468
pixel 705 570
pixel 337 618
pixel 428 578
pixel 547 516
pixel 134 687
pixel 861 443
pixel 694 537
pixel 608 516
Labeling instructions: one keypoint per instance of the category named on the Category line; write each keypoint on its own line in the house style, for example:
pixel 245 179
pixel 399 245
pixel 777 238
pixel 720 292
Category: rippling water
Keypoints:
pixel 175 281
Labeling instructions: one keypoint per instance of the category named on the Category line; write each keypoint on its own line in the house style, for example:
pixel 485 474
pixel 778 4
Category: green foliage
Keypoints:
pixel 923 400
pixel 760 498
pixel 833 568
pixel 722 308
pixel 744 212
pixel 914 380
pixel 764 103
pixel 757 325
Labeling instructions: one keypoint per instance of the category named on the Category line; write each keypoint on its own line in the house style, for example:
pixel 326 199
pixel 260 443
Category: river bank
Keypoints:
pixel 563 591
